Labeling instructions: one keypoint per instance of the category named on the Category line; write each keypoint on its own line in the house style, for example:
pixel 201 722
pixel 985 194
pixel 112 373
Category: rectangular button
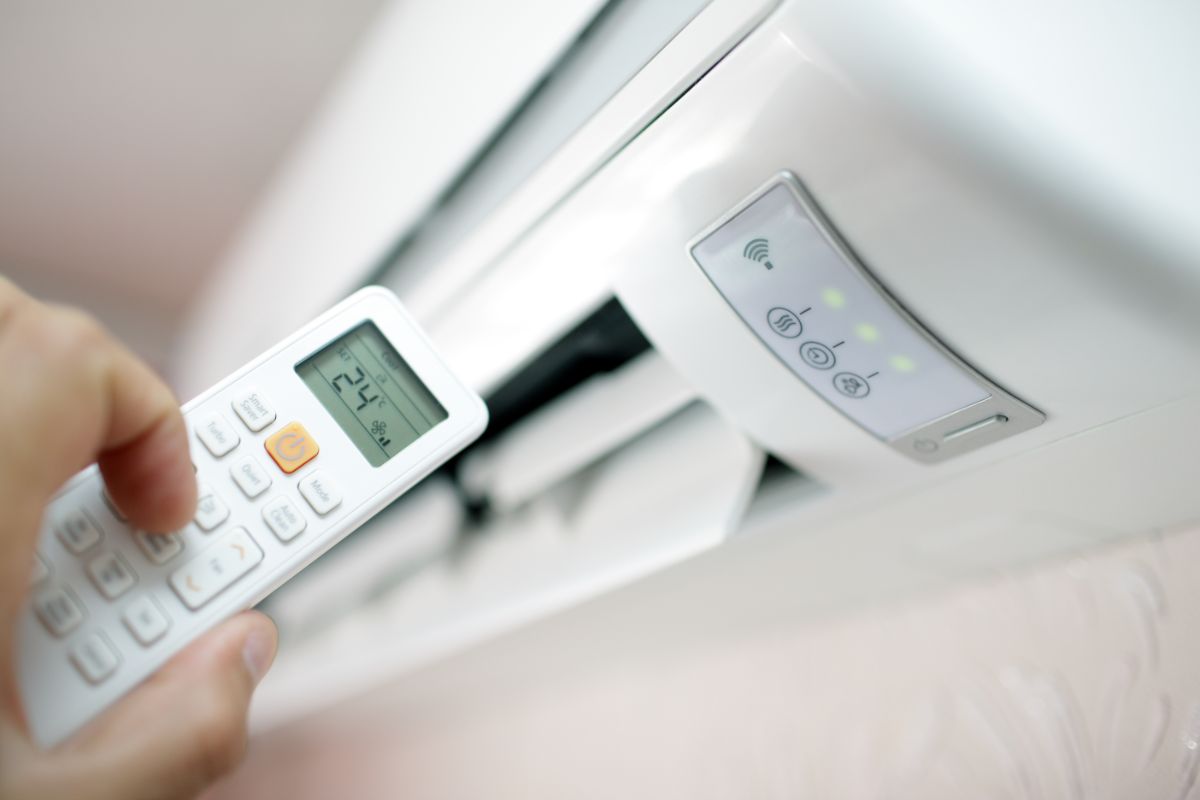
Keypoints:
pixel 112 576
pixel 211 511
pixel 250 477
pixel 145 620
pixel 159 547
pixel 217 435
pixel 58 610
pixel 321 493
pixel 209 573
pixel 77 531
pixel 284 519
pixel 95 658
pixel 254 410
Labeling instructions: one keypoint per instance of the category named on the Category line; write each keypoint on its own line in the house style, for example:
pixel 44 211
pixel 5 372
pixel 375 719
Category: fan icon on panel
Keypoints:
pixel 758 250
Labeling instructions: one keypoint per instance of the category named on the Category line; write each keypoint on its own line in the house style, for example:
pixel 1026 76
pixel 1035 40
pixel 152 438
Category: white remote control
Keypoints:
pixel 292 452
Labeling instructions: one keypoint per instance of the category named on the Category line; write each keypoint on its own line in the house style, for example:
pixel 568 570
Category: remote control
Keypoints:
pixel 292 452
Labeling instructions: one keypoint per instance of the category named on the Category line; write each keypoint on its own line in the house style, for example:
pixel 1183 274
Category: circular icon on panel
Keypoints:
pixel 817 355
pixel 925 446
pixel 784 322
pixel 851 385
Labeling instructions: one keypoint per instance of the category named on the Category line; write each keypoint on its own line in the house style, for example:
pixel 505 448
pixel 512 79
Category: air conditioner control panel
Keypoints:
pixel 798 286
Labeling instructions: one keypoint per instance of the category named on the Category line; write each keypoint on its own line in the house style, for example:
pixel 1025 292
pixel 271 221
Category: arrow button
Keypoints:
pixel 215 569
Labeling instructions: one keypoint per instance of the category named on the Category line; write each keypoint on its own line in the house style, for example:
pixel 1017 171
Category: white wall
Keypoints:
pixel 1074 679
pixel 135 136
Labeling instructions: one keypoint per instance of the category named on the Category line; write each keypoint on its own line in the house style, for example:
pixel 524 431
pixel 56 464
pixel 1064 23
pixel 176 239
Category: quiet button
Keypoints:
pixel 321 493
pixel 250 477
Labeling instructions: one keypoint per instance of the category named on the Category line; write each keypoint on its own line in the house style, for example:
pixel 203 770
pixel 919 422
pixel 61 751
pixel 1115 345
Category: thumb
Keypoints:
pixel 185 727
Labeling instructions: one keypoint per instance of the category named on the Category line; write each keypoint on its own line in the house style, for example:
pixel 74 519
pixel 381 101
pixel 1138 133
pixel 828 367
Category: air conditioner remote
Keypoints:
pixel 292 452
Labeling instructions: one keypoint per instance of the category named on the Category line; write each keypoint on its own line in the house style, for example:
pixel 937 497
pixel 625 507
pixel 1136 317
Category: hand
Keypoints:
pixel 70 396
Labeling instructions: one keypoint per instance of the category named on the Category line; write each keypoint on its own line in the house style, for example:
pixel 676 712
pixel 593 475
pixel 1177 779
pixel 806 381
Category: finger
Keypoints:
pixel 150 477
pixel 182 729
pixel 74 395
pixel 71 395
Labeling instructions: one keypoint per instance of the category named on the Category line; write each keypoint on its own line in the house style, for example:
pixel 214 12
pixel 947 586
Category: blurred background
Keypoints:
pixel 669 569
pixel 137 138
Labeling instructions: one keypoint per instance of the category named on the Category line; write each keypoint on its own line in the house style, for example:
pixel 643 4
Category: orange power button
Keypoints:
pixel 292 447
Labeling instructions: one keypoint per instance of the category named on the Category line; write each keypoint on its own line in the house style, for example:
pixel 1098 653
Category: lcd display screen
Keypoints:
pixel 371 393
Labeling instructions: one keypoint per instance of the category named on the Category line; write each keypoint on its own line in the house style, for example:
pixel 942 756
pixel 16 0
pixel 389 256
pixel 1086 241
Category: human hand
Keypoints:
pixel 71 395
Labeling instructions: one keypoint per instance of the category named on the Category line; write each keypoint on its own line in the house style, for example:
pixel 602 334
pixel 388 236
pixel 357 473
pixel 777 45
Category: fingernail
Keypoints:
pixel 258 653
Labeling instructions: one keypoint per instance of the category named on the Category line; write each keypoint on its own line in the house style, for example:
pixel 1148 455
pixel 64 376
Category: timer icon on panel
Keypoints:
pixel 817 355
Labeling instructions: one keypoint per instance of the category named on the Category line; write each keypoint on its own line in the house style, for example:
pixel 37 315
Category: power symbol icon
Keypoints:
pixel 291 447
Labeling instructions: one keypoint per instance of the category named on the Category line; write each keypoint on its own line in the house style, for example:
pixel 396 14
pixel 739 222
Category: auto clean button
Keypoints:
pixel 284 519
pixel 321 493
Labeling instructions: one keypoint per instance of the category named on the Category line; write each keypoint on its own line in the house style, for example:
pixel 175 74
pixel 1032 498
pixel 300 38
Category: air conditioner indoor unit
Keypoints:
pixel 812 303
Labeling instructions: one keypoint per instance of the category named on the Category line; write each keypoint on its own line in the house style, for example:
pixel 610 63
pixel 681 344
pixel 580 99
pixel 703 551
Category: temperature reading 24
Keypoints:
pixel 363 390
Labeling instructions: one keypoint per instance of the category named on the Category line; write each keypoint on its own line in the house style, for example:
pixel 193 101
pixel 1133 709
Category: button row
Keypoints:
pixel 95 656
pixel 787 324
pixel 219 437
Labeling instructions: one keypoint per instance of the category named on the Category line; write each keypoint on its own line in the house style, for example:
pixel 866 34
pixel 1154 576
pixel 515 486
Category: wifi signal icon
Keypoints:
pixel 758 250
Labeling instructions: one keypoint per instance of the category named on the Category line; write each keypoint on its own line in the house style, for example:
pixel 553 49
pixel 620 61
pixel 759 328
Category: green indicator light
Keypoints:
pixel 834 298
pixel 902 364
pixel 867 332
